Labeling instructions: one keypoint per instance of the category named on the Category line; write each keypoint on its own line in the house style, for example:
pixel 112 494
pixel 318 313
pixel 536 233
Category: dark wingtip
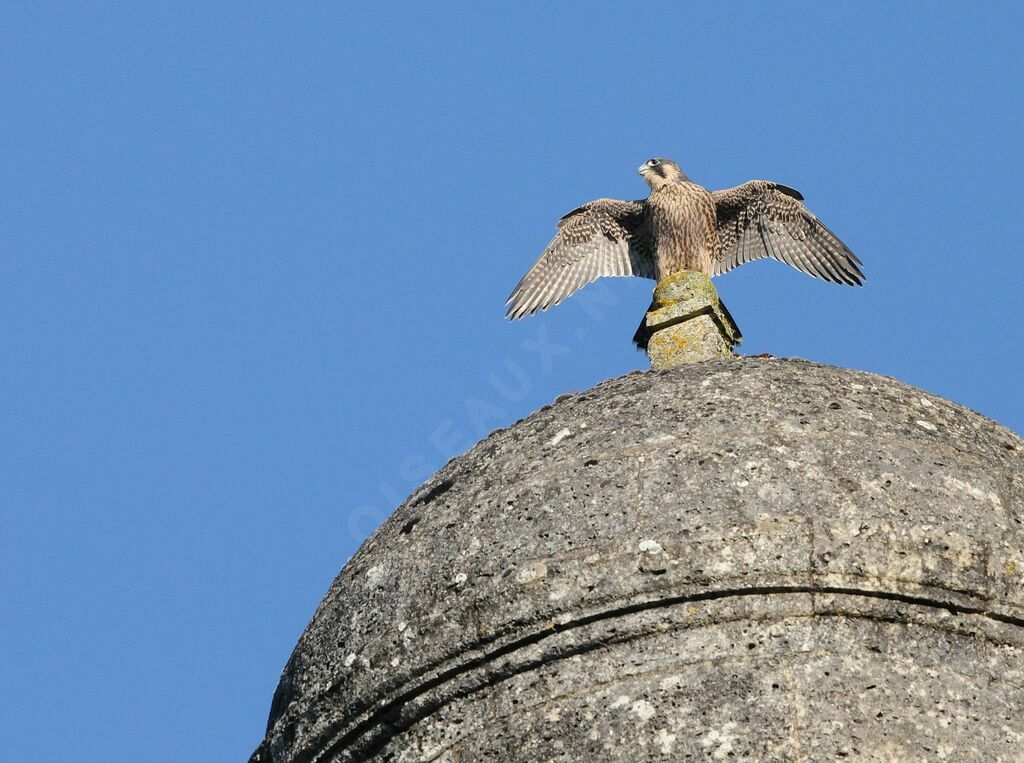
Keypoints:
pixel 852 267
pixel 791 192
pixel 642 336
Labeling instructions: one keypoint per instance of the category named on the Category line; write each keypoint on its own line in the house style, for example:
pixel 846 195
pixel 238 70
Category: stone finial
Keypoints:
pixel 686 322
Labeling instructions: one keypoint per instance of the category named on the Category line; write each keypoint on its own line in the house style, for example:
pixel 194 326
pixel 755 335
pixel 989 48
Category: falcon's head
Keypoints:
pixel 658 172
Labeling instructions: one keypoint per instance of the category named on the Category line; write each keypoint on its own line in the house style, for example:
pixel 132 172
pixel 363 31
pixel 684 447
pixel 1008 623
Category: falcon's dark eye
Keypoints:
pixel 654 162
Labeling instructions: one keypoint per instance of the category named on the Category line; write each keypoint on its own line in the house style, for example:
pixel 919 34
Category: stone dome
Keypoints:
pixel 754 558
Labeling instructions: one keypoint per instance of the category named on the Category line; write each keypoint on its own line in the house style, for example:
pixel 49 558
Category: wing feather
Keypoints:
pixel 605 237
pixel 764 219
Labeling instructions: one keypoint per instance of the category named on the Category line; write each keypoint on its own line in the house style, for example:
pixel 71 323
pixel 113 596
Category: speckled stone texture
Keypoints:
pixel 751 559
pixel 686 323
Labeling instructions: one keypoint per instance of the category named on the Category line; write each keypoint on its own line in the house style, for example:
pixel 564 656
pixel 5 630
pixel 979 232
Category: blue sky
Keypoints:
pixel 254 256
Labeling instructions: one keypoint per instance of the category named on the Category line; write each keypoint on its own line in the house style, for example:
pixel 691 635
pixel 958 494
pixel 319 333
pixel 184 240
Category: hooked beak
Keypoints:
pixel 643 169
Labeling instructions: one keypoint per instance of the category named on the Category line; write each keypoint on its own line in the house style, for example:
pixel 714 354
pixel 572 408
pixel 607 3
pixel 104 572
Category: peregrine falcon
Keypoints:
pixel 682 226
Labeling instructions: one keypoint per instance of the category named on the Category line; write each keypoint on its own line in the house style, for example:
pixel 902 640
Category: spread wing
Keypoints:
pixel 602 238
pixel 764 219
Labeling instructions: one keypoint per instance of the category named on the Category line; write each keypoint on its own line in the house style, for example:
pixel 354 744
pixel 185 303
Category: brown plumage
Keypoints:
pixel 682 226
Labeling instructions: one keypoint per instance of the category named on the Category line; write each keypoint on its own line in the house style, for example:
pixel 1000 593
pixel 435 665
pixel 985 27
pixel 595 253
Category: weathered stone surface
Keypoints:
pixel 760 559
pixel 686 322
